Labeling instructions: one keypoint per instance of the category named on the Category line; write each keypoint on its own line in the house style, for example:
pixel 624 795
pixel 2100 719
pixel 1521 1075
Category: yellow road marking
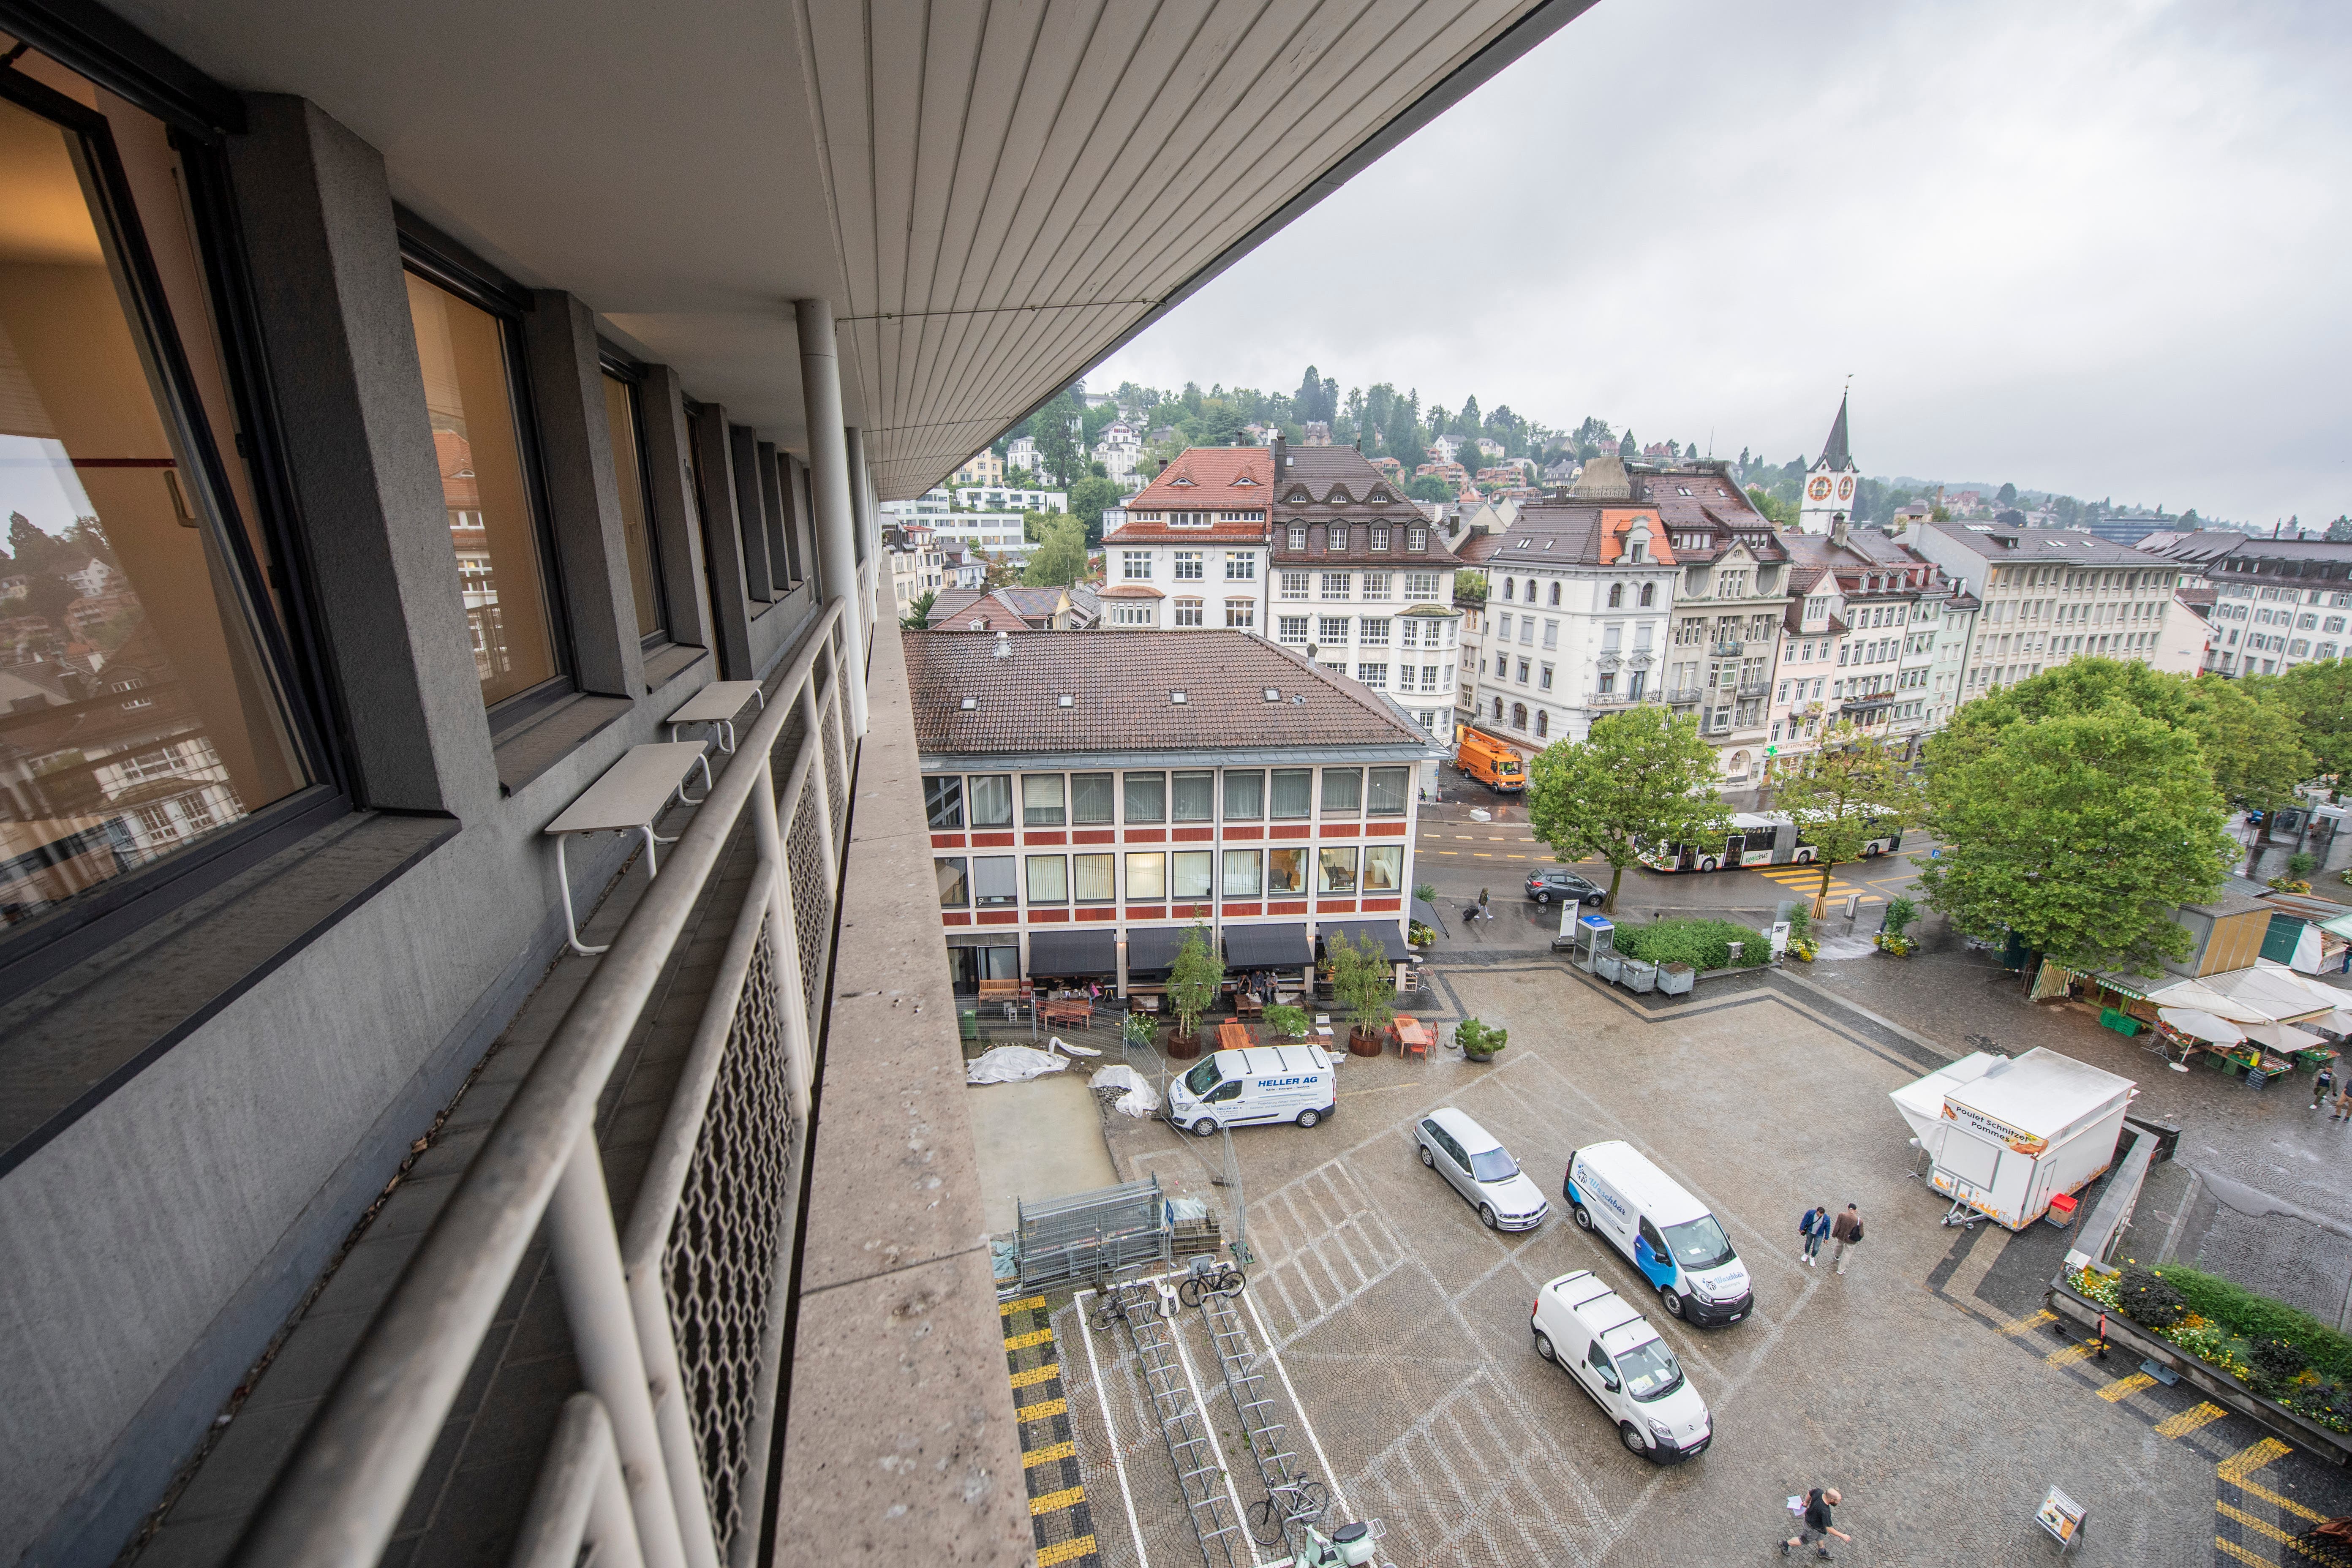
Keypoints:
pixel 2069 1355
pixel 1061 1552
pixel 1034 1337
pixel 2227 1549
pixel 2246 1461
pixel 1006 1308
pixel 1043 1410
pixel 2260 1526
pixel 2252 1489
pixel 2190 1420
pixel 1047 1455
pixel 1037 1374
pixel 1054 1502
pixel 2028 1323
pixel 1480 855
pixel 2125 1387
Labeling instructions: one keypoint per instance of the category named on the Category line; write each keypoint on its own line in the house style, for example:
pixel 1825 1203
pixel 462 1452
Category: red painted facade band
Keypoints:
pixel 1391 829
pixel 1192 834
pixel 1244 832
pixel 1147 836
pixel 1145 914
pixel 1287 908
pixel 1335 907
pixel 1342 829
pixel 947 840
pixel 1299 831
pixel 981 839
pixel 955 920
pixel 1043 838
pixel 1094 835
pixel 1370 906
pixel 1235 911
pixel 1000 917
pixel 1037 917
pixel 1098 914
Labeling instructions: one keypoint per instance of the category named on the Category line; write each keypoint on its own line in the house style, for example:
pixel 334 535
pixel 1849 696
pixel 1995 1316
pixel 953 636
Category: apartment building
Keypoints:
pixel 1193 551
pixel 916 567
pixel 1860 641
pixel 983 468
pixel 2277 603
pixel 1085 813
pixel 1358 581
pixel 2050 595
pixel 1579 595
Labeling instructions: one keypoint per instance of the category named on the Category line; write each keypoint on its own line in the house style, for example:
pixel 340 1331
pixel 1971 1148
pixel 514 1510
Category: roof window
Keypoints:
pixel 1065 700
pixel 1523 544
pixel 968 703
pixel 1176 697
pixel 1274 694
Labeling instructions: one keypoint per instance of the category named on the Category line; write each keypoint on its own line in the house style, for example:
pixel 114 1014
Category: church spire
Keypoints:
pixel 1834 455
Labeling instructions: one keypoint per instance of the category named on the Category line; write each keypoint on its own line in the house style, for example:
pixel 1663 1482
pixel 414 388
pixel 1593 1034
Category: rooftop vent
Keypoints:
pixel 1003 645
pixel 968 703
pixel 1065 700
pixel 1175 696
pixel 1299 701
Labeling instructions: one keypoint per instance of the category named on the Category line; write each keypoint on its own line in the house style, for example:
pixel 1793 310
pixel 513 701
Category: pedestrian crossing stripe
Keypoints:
pixel 2254 1490
pixel 1037 1374
pixel 1062 1551
pixel 1044 1410
pixel 2261 1527
pixel 2125 1387
pixel 1054 1502
pixel 2190 1420
pixel 2070 1354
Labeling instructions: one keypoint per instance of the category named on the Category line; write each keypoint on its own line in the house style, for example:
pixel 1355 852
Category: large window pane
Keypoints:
pixel 1244 795
pixel 1241 873
pixel 637 530
pixel 1338 872
pixel 1191 874
pixel 1286 870
pixel 1193 797
pixel 992 799
pixel 1294 791
pixel 943 798
pixel 1041 800
pixel 1091 800
pixel 954 894
pixel 137 711
pixel 471 400
pixel 1049 879
pixel 1383 868
pixel 1147 875
pixel 1091 878
pixel 1389 792
pixel 993 884
pixel 1146 797
pixel 1342 791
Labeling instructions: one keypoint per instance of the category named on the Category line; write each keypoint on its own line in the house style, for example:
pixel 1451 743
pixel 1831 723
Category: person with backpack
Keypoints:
pixel 1846 1232
pixel 1819 1524
pixel 1815 1229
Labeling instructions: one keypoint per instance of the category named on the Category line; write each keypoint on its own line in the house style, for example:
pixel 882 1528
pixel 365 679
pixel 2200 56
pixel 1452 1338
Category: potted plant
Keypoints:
pixel 1900 913
pixel 1194 982
pixel 1287 1023
pixel 1136 1029
pixel 1480 1042
pixel 1420 933
pixel 1803 946
pixel 1361 979
pixel 2298 874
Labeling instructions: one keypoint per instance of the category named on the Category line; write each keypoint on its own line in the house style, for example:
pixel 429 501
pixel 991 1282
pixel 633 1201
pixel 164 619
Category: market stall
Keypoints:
pixel 2004 1137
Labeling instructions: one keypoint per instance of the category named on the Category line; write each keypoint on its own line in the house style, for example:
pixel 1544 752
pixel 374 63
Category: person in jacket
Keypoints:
pixel 1819 1524
pixel 2321 1082
pixel 1846 1231
pixel 1815 1229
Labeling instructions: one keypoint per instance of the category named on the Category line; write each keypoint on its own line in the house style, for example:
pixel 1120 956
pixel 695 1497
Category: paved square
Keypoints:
pixel 1924 1384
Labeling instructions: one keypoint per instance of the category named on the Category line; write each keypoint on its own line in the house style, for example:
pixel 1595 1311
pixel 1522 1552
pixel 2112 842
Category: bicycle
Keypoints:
pixel 1217 1279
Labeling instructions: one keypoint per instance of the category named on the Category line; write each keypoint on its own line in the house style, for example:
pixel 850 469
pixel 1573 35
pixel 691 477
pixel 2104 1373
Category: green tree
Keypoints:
pixel 1364 982
pixel 1057 449
pixel 1852 790
pixel 2340 531
pixel 2005 496
pixel 1194 980
pixel 1776 512
pixel 1087 499
pixel 2081 833
pixel 1469 587
pixel 1642 776
pixel 919 610
pixel 1428 487
pixel 1061 559
pixel 2318 698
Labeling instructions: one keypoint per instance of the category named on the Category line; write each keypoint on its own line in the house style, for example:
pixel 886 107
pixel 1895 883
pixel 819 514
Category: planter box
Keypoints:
pixel 2223 1389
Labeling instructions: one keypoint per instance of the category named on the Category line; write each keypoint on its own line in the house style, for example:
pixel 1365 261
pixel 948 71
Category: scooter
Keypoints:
pixel 1345 1547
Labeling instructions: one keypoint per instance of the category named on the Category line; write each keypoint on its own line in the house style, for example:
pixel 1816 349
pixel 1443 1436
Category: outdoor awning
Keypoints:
pixel 2283 1037
pixel 2135 987
pixel 1153 950
pixel 1069 954
pixel 1385 933
pixel 2340 926
pixel 1426 913
pixel 2273 988
pixel 2192 995
pixel 1268 947
pixel 2201 1025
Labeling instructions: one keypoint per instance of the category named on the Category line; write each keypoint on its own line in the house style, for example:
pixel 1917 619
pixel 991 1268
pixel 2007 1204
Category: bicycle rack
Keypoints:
pixel 1291 1497
pixel 1183 1426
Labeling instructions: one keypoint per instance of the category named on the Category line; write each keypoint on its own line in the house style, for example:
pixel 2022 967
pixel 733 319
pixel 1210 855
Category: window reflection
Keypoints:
pixel 629 478
pixel 137 714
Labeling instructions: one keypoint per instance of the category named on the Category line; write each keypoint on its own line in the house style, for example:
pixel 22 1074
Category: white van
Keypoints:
pixel 1614 1190
pixel 1582 1328
pixel 1263 1084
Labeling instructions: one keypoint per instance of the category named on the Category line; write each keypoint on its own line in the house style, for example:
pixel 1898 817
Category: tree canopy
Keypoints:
pixel 2319 699
pixel 1845 795
pixel 1642 776
pixel 919 610
pixel 1061 558
pixel 2082 833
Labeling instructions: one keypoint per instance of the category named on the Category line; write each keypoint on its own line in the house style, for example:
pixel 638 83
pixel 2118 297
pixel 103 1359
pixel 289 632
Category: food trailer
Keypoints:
pixel 2002 1137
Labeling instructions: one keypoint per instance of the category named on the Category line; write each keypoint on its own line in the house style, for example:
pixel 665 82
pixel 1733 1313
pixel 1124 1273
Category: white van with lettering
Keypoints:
pixel 1263 1084
pixel 1614 1191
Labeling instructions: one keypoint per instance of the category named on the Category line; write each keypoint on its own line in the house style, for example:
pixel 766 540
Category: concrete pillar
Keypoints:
pixel 316 211
pixel 829 478
pixel 584 498
pixel 722 545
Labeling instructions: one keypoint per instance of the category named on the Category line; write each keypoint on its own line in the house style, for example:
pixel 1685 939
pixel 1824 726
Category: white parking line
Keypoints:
pixel 1208 1427
pixel 1298 1406
pixel 1110 1427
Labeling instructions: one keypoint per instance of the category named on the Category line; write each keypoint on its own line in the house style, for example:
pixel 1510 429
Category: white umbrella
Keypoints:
pixel 2283 1036
pixel 2200 1026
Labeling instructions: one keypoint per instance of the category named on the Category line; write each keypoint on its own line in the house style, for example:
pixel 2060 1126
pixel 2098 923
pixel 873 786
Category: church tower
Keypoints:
pixel 1828 497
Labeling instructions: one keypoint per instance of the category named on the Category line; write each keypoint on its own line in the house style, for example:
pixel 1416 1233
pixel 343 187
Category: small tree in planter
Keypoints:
pixel 1287 1023
pixel 2298 874
pixel 1480 1042
pixel 1802 946
pixel 1900 913
pixel 1194 982
pixel 1361 980
pixel 1420 934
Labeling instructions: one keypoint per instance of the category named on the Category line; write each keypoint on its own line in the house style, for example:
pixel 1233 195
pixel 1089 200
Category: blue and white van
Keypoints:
pixel 1614 1191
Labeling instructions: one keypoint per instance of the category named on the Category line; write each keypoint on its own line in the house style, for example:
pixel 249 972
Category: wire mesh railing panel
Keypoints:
pixel 836 782
pixel 721 1257
pixel 812 899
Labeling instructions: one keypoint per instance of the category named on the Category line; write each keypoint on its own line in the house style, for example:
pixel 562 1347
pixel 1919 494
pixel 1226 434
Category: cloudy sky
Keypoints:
pixel 2098 250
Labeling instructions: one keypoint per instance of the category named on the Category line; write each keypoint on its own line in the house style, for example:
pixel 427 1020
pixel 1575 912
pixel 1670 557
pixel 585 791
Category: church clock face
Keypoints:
pixel 1820 489
pixel 1845 487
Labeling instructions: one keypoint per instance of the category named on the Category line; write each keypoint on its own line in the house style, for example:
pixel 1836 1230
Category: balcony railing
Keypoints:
pixel 676 1321
pixel 1754 687
pixel 1684 696
pixel 1730 648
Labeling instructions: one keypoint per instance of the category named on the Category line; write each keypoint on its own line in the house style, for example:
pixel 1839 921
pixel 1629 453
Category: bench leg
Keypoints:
pixel 704 764
pixel 563 881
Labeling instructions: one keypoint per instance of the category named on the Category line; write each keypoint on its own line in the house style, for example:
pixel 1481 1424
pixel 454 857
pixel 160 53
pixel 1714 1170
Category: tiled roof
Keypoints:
pixel 1866 549
pixel 1715 507
pixel 1224 675
pixel 2060 546
pixel 956 610
pixel 1552 532
pixel 1204 479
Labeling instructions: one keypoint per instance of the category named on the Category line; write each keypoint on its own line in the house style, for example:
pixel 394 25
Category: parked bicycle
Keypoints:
pixel 1210 1276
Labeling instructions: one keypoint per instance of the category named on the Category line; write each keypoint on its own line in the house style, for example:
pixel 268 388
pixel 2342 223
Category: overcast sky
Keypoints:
pixel 2098 250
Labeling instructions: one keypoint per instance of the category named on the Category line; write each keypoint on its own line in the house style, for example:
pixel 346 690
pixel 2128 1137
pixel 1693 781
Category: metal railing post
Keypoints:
pixel 784 928
pixel 587 1254
pixel 814 709
pixel 581 1503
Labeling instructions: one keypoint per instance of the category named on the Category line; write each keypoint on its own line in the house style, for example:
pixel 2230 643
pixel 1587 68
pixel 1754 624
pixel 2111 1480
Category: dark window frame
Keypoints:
pixel 612 361
pixel 126 64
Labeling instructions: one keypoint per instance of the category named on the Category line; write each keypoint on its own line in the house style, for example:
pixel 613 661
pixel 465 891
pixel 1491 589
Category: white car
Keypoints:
pixel 1581 1327
pixel 1475 1163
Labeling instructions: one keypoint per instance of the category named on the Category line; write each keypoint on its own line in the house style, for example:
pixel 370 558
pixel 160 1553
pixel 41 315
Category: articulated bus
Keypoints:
pixel 1753 840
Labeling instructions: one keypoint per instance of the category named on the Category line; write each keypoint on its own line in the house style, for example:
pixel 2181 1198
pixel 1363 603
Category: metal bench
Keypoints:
pixel 632 793
pixel 715 705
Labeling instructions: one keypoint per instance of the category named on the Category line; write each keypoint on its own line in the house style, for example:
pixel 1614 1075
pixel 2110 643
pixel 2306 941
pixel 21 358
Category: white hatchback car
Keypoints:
pixel 1475 1160
pixel 1582 1328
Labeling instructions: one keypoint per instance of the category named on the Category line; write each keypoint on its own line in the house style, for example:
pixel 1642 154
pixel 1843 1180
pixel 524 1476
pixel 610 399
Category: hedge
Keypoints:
pixel 2257 1318
pixel 2279 1351
pixel 1702 944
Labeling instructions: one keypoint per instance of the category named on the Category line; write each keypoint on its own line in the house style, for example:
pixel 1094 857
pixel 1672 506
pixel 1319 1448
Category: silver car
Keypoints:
pixel 1481 1170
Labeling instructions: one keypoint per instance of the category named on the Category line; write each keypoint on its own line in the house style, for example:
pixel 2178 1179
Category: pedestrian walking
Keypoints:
pixel 1815 1229
pixel 2321 1082
pixel 2343 1098
pixel 1820 1524
pixel 1846 1231
pixel 1485 909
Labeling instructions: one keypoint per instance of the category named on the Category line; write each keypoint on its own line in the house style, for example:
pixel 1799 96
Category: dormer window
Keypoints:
pixel 1416 539
pixel 1633 549
pixel 1182 482
pixel 1298 497
pixel 1379 537
pixel 1335 539
pixel 1299 536
pixel 1377 496
pixel 1245 482
pixel 1339 496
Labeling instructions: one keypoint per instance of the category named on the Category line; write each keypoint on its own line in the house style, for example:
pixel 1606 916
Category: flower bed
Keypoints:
pixel 1702 944
pixel 2286 1356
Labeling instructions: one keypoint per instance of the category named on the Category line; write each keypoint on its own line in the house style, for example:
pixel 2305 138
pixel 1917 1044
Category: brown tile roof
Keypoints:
pixel 971 605
pixel 1224 676
pixel 1574 534
pixel 1204 479
pixel 1716 507
pixel 1337 484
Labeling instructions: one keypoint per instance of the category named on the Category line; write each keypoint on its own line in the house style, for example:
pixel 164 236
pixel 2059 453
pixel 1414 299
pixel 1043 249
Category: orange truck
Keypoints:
pixel 1495 763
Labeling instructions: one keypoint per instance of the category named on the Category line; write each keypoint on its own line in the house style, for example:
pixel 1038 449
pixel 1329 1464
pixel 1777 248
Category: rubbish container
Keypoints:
pixel 1639 974
pixel 2062 1211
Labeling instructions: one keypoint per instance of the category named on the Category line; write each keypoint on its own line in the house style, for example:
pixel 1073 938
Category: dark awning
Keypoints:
pixel 1426 913
pixel 1385 933
pixel 1153 950
pixel 1069 954
pixel 1268 947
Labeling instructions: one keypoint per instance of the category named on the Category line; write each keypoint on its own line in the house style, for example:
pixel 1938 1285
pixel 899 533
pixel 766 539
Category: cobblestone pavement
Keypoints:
pixel 1926 1383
